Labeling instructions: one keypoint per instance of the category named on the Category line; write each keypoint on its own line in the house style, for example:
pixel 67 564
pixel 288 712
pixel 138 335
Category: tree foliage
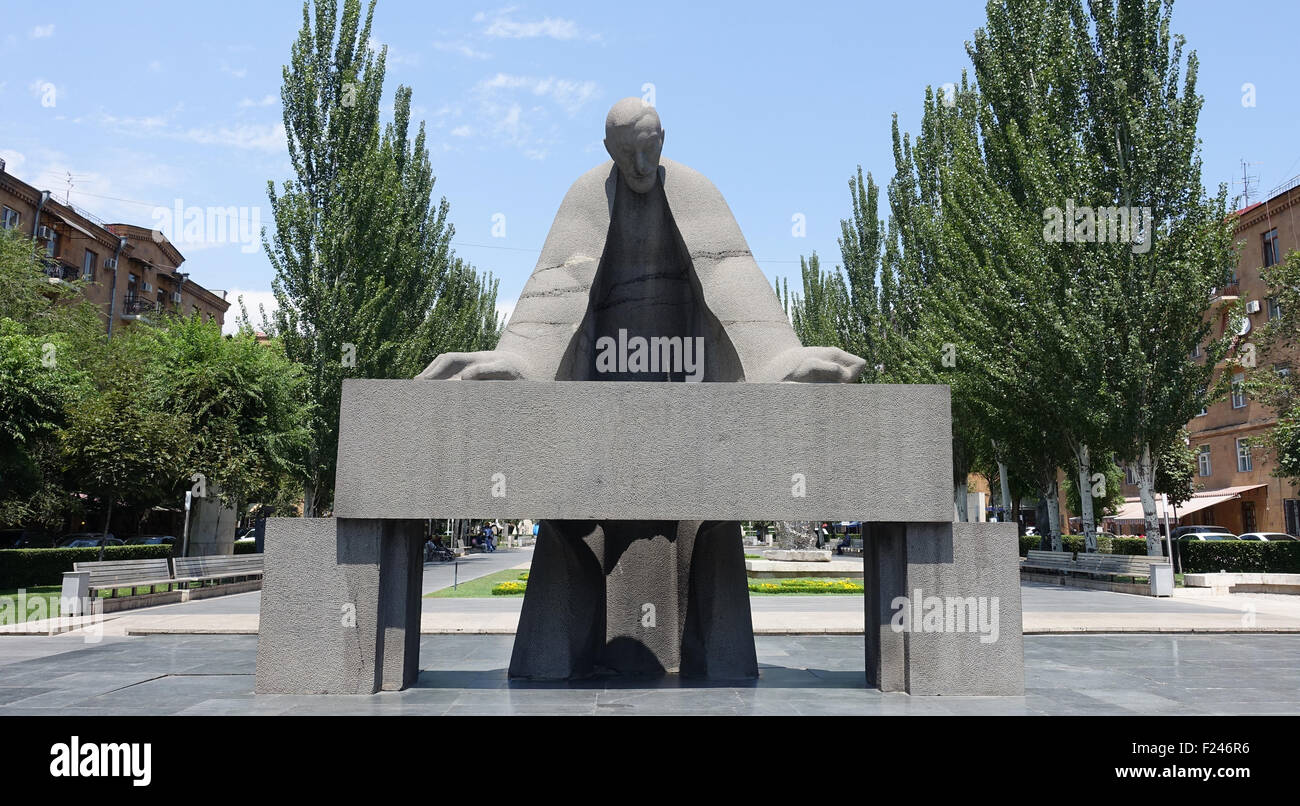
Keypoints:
pixel 366 281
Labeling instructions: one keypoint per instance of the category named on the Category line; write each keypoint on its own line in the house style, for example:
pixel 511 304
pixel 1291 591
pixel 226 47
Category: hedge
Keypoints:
pixel 245 546
pixel 27 568
pixel 1198 556
pixel 1105 544
pixel 1242 556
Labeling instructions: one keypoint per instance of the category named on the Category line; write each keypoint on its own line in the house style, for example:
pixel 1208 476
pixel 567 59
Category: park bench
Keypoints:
pixel 214 568
pixel 1060 561
pixel 114 574
pixel 1118 565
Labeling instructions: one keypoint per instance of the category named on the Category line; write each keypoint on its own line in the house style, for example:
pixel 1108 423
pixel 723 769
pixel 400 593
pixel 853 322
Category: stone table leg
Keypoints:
pixel 340 606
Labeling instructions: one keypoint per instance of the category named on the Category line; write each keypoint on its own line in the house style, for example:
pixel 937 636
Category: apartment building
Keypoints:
pixel 130 272
pixel 1235 485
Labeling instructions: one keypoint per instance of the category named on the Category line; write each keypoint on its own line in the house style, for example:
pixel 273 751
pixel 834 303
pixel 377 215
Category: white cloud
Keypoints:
pixel 267 100
pixel 13 160
pixel 254 137
pixel 237 72
pixel 501 26
pixel 252 299
pixel 462 131
pixel 155 66
pixel 571 95
pixel 463 49
pixel 41 32
pixel 506 307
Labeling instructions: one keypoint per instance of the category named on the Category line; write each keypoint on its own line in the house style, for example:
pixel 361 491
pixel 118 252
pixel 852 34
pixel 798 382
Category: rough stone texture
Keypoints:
pixel 338 597
pixel 638 599
pixel 971 562
pixel 644 451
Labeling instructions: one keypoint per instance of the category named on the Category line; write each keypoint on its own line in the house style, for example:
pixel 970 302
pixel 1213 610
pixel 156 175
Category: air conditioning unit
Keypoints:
pixel 147 288
pixel 45 233
pixel 176 297
pixel 110 263
pixel 1252 306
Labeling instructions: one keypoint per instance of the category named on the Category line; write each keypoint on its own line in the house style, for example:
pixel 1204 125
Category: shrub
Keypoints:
pixel 245 546
pixel 1242 556
pixel 27 568
pixel 509 589
pixel 524 576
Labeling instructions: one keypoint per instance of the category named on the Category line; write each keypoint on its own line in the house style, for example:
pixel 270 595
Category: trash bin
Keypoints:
pixel 1162 579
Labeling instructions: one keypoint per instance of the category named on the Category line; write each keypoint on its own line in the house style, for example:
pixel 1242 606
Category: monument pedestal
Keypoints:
pixel 943 612
pixel 341 596
pixel 340 606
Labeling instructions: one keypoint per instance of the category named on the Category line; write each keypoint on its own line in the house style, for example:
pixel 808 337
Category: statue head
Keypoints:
pixel 634 138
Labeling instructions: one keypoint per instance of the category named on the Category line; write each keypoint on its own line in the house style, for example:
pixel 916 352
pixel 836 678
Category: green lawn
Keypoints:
pixel 480 588
pixel 11 612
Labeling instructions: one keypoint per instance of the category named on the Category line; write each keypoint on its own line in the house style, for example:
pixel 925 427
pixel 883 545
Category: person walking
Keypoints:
pixel 487 537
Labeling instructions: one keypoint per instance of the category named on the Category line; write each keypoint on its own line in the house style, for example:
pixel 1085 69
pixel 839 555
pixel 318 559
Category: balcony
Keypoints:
pixel 1226 295
pixel 59 272
pixel 134 307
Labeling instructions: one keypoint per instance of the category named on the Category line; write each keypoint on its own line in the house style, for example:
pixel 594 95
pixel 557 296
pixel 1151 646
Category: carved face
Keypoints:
pixel 635 150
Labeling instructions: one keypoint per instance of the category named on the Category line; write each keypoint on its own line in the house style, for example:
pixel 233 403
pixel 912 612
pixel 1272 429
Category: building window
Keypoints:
pixel 88 265
pixel 1130 474
pixel 1243 457
pixel 1203 460
pixel 1248 516
pixel 1196 351
pixel 1282 370
pixel 1274 308
pixel 1204 408
pixel 10 218
pixel 1239 391
pixel 1270 248
pixel 52 245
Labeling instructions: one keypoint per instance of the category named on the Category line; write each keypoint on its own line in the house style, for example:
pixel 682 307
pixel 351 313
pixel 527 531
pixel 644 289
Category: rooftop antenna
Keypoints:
pixel 1246 181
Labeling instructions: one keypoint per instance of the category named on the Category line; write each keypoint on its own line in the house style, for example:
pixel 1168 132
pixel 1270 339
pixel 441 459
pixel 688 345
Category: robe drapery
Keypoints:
pixel 555 322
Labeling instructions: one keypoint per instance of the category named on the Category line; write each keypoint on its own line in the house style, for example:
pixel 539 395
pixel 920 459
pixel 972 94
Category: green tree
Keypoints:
pixel 366 281
pixel 246 406
pixel 120 443
pixel 1110 484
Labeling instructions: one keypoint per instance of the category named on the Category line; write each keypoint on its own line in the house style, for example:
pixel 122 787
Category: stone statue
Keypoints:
pixel 645 276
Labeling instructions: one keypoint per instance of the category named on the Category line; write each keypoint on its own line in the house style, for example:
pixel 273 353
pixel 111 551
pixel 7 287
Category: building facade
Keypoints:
pixel 130 272
pixel 1236 488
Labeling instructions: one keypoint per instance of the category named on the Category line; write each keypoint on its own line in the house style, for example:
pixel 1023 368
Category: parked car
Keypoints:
pixel 1206 536
pixel 1201 528
pixel 25 539
pixel 151 540
pixel 1267 537
pixel 85 539
pixel 91 543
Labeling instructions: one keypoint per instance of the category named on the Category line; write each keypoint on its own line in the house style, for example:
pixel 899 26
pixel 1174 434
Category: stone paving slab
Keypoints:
pixel 799 675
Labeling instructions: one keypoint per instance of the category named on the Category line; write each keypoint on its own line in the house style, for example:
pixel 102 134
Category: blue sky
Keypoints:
pixel 154 104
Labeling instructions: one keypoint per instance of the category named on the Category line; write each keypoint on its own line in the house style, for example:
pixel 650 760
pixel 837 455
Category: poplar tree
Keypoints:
pixel 365 277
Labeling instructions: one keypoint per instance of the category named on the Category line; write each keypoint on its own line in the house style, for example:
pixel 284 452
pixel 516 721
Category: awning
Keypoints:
pixel 1131 512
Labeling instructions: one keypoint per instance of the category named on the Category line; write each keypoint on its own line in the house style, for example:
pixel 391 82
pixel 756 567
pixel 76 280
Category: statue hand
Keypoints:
pixel 813 365
pixel 485 365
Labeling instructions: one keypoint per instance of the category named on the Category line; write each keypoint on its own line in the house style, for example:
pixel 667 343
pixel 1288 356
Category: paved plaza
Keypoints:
pixel 1086 652
pixel 799 675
